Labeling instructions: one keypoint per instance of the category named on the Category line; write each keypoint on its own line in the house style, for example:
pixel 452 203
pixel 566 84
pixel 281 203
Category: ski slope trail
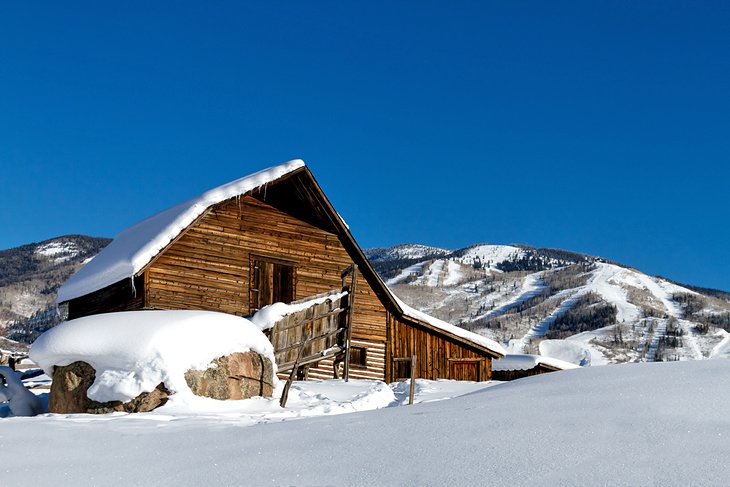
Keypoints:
pixel 674 310
pixel 659 332
pixel 432 275
pixel 439 273
pixel 532 286
pixel 605 281
pixel 539 330
pixel 598 283
pixel 405 274
pixel 690 336
pixel 453 275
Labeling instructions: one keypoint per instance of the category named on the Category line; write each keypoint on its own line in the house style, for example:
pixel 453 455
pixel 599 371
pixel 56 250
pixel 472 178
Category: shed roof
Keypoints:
pixel 136 247
pixel 527 362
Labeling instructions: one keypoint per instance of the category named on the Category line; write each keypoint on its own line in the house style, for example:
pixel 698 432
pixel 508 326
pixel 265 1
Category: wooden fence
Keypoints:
pixel 312 334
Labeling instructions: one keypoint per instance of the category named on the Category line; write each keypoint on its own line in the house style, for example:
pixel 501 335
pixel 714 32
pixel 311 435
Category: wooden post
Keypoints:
pixel 351 303
pixel 413 380
pixel 388 348
pixel 292 374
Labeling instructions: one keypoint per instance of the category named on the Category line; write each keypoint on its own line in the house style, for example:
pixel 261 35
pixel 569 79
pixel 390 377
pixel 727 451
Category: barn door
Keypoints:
pixel 272 281
pixel 465 369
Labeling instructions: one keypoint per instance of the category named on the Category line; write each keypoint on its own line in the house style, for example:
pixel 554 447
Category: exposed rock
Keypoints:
pixel 235 376
pixel 68 393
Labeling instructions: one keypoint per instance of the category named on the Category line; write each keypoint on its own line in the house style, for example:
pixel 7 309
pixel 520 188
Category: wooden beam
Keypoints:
pixel 412 393
pixel 287 386
pixel 349 322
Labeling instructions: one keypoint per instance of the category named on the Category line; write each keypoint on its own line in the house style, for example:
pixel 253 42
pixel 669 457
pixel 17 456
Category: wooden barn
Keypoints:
pixel 274 237
pixel 518 366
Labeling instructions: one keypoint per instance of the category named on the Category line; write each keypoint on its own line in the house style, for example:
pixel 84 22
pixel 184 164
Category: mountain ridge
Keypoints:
pixel 527 297
pixel 521 295
pixel 375 255
pixel 30 276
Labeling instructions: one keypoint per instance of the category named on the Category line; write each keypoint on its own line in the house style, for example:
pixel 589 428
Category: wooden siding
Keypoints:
pixel 437 357
pixel 373 370
pixel 209 266
pixel 120 296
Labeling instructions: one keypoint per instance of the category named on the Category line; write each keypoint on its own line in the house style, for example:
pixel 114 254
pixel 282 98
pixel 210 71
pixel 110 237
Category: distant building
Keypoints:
pixel 518 366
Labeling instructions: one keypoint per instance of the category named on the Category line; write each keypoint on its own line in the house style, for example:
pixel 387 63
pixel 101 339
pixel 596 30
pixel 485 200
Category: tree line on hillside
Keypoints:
pixel 538 306
pixel 591 312
pixel 22 262
pixel 26 331
pixel 695 309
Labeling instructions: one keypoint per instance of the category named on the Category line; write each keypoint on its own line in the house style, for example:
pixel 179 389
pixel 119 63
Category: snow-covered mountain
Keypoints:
pixel 556 302
pixel 562 303
pixel 405 251
pixel 30 276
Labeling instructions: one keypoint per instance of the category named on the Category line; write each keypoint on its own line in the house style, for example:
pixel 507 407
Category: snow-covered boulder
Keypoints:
pixel 69 393
pixel 131 361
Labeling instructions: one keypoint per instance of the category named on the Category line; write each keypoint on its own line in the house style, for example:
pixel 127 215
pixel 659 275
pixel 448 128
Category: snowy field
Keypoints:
pixel 633 424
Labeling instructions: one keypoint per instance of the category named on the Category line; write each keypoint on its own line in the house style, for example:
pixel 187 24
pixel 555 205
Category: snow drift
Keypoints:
pixel 22 402
pixel 623 425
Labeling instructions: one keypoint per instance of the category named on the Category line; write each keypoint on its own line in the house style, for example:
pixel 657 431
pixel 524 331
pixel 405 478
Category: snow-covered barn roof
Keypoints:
pixel 134 248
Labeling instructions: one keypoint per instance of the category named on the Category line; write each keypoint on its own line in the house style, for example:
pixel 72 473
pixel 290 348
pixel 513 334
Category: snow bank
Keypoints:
pixel 22 402
pixel 132 249
pixel 436 390
pixel 722 349
pixel 134 351
pixel 572 352
pixel 267 316
pixel 527 362
pixel 624 425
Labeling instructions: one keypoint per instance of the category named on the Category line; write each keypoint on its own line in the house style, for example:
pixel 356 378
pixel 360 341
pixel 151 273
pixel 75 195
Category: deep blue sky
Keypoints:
pixel 596 127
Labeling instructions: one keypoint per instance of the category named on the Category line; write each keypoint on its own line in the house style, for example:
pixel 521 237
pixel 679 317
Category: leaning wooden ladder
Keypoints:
pixel 350 306
pixel 307 336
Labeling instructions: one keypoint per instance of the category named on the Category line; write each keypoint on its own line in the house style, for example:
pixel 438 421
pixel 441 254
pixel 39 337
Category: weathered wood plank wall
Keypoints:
pixel 209 267
pixel 437 357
